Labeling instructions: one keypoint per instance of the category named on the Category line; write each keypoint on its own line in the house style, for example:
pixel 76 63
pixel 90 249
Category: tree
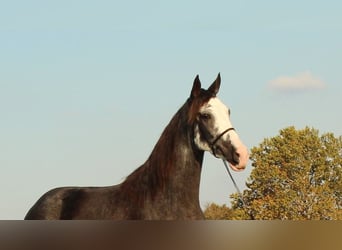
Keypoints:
pixel 216 212
pixel 297 175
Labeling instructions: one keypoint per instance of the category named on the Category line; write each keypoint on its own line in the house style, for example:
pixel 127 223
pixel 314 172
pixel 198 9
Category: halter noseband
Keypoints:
pixel 212 144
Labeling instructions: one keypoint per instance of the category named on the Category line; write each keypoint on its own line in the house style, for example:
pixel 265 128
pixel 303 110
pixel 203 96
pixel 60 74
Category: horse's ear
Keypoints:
pixel 215 86
pixel 196 88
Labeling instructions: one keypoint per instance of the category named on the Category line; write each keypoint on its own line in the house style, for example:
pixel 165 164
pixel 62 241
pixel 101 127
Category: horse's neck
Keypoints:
pixel 173 168
pixel 185 165
pixel 176 157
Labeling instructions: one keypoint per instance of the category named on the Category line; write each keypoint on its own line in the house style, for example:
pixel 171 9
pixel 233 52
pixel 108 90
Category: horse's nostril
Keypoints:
pixel 236 157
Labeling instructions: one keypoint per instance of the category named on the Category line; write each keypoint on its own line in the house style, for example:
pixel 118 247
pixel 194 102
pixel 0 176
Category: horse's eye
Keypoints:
pixel 205 116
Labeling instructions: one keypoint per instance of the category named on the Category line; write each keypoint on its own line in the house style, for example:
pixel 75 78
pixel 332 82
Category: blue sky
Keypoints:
pixel 86 87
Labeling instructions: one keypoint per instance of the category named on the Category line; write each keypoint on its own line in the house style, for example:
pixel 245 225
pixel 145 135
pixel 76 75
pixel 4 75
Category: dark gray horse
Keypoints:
pixel 166 186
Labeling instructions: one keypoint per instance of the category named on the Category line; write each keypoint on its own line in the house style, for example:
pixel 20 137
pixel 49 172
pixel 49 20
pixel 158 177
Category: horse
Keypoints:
pixel 166 186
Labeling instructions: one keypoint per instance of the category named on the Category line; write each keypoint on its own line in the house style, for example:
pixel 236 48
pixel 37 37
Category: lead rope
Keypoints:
pixel 235 185
pixel 238 190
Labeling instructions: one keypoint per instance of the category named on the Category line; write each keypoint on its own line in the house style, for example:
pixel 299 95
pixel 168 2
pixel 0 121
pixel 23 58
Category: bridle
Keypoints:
pixel 240 195
pixel 213 143
pixel 213 149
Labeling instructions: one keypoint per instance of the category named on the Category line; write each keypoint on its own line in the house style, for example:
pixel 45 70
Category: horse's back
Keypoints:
pixel 67 203
pixel 58 204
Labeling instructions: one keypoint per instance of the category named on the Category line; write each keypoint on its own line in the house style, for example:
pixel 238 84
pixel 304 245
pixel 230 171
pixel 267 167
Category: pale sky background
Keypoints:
pixel 87 87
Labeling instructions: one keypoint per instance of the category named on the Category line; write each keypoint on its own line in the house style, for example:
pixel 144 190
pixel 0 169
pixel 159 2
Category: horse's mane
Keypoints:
pixel 154 174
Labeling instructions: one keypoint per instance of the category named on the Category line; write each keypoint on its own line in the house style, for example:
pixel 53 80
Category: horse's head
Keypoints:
pixel 213 130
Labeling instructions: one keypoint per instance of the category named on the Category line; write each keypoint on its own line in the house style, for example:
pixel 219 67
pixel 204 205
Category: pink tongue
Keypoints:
pixel 235 168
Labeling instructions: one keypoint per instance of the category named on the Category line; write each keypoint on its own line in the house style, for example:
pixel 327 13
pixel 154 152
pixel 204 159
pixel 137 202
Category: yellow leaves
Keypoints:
pixel 216 212
pixel 297 175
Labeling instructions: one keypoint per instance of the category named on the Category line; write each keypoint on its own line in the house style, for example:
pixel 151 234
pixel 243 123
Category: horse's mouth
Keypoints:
pixel 236 167
pixel 237 157
pixel 233 163
pixel 235 160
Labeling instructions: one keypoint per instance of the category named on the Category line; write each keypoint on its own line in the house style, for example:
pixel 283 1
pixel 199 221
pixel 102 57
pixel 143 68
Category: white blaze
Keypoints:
pixel 220 113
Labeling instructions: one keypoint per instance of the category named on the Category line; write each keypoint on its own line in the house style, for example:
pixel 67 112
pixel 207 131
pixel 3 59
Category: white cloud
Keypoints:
pixel 301 81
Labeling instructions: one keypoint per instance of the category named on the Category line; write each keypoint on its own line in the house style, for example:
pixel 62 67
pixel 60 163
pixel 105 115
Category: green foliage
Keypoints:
pixel 216 212
pixel 296 175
